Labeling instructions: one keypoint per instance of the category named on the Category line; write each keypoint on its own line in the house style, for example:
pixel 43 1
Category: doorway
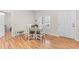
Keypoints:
pixel 8 28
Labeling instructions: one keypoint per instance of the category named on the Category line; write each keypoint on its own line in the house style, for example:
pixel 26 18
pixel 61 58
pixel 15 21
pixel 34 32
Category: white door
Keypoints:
pixel 66 23
pixel 2 30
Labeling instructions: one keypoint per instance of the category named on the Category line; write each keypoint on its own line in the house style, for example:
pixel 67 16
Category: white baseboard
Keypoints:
pixel 13 35
pixel 59 36
pixel 77 39
pixel 2 35
pixel 53 34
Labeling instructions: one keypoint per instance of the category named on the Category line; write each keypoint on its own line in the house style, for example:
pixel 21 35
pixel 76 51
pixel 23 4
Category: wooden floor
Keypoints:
pixel 51 42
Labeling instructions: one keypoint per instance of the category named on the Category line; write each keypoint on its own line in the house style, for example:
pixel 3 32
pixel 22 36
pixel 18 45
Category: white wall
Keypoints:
pixel 53 19
pixel 77 24
pixel 20 19
pixel 8 19
pixel 57 17
pixel 66 23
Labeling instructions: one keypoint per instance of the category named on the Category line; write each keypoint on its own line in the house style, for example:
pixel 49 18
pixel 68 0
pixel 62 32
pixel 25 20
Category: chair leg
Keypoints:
pixel 25 37
pixel 41 40
pixel 36 36
pixel 28 37
pixel 44 38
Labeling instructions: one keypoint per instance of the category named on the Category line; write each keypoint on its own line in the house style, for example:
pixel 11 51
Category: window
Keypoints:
pixel 44 21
